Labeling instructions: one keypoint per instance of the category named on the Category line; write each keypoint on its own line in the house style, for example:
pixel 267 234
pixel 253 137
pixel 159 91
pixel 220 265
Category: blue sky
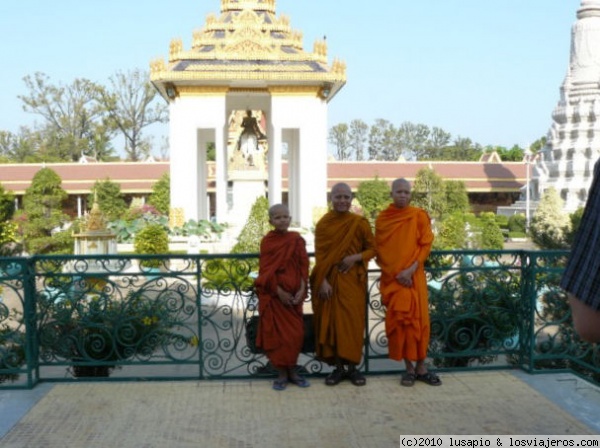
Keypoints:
pixel 489 70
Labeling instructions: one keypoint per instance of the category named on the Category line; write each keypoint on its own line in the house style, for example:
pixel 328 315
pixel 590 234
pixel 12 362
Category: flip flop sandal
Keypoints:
pixel 279 385
pixel 408 379
pixel 300 382
pixel 430 378
pixel 335 377
pixel 357 378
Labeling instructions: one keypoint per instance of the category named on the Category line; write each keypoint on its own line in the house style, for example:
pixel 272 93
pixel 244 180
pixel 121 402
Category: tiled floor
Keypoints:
pixel 250 414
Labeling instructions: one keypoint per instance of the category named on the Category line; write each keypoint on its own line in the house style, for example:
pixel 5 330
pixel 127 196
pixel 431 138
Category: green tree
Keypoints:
pixel 110 199
pixel 42 206
pixel 373 196
pixel 160 198
pixel 413 139
pixel 550 226
pixel 491 236
pixel 338 136
pixel 131 106
pixel 357 138
pixel 257 226
pixel 457 198
pixel 575 219
pixel 438 140
pixel 74 120
pixel 7 204
pixel 429 193
pixel 8 229
pixel 451 233
pixel 517 223
pixel 211 152
pixel 461 149
pixel 383 141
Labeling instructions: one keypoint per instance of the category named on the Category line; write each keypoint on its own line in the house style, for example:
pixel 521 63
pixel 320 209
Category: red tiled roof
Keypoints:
pixel 138 178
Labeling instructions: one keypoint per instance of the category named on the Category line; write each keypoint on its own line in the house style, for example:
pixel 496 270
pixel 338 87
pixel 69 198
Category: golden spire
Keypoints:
pixel 95 221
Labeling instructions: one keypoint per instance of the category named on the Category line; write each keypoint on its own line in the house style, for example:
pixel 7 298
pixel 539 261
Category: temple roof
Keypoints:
pixel 248 46
pixel 138 178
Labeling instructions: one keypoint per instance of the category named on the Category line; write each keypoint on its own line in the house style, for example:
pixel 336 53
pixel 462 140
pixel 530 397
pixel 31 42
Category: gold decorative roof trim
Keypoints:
pixel 232 5
pixel 294 90
pixel 247 76
pixel 246 51
pixel 249 68
pixel 202 90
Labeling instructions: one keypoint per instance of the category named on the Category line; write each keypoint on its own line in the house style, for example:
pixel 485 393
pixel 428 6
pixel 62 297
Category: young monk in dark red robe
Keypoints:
pixel 403 237
pixel 282 287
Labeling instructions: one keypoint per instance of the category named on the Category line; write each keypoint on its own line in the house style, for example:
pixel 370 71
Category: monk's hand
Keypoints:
pixel 405 278
pixel 285 297
pixel 347 262
pixel 325 290
pixel 298 296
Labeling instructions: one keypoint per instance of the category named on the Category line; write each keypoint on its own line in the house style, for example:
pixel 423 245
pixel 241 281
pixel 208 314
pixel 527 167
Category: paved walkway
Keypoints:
pixel 232 414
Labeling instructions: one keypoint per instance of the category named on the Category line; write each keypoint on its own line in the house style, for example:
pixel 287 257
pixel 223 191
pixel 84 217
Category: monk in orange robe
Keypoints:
pixel 343 247
pixel 403 238
pixel 282 287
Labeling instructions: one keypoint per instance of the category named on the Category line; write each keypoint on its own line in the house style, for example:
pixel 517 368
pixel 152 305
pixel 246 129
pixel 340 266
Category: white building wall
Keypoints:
pixel 308 114
pixel 192 121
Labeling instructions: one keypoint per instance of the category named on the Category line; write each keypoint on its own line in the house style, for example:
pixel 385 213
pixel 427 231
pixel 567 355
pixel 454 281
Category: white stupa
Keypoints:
pixel 567 161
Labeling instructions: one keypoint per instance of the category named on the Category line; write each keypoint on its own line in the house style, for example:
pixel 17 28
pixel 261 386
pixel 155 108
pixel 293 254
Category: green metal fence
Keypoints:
pixel 68 318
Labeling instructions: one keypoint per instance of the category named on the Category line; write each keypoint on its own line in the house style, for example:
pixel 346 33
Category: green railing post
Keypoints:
pixel 30 320
pixel 527 330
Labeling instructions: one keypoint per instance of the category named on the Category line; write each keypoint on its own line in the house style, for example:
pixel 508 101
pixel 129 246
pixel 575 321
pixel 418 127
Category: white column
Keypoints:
pixel 275 176
pixel 221 175
pixel 79 211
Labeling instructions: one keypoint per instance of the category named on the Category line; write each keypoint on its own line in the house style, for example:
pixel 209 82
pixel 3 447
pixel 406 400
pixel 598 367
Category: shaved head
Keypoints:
pixel 400 193
pixel 341 197
pixel 278 208
pixel 400 182
pixel 341 186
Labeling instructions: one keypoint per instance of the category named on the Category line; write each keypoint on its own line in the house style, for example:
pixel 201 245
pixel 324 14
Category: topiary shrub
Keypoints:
pixel 517 223
pixel 152 239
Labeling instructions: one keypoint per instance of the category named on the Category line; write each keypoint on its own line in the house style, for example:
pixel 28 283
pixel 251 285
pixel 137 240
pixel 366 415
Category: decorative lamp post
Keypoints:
pixel 527 194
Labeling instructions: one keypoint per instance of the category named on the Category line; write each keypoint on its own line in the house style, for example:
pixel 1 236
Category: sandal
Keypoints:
pixel 408 379
pixel 300 382
pixel 357 378
pixel 430 378
pixel 279 384
pixel 335 377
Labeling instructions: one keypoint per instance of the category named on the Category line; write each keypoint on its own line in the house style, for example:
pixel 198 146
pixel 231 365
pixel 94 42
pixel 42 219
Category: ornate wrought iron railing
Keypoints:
pixel 65 318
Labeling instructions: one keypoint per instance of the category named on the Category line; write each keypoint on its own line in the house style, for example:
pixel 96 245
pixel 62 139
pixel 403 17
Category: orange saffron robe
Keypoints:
pixel 283 262
pixel 340 321
pixel 403 236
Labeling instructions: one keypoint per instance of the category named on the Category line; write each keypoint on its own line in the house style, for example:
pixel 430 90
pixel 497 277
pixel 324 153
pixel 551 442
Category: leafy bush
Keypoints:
pixel 517 223
pixel 12 352
pixel 451 233
pixel 473 314
pixel 161 194
pixel 152 239
pixel 550 225
pixel 228 275
pixel 502 221
pixel 257 226
pixel 84 327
